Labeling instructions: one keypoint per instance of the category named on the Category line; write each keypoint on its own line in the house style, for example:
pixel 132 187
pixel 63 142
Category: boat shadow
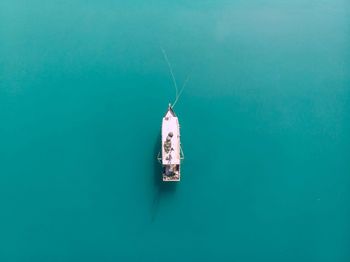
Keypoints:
pixel 162 189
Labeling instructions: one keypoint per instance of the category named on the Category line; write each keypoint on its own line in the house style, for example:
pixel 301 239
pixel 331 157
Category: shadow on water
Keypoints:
pixel 162 189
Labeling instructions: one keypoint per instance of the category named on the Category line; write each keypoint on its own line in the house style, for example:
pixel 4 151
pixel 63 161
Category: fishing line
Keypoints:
pixel 182 89
pixel 170 69
pixel 177 93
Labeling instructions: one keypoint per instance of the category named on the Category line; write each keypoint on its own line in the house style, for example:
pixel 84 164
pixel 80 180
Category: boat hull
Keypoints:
pixel 171 147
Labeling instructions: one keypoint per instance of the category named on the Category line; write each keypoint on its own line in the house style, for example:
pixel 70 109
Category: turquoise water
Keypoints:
pixel 264 121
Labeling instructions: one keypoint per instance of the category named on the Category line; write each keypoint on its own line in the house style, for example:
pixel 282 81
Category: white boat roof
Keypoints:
pixel 171 125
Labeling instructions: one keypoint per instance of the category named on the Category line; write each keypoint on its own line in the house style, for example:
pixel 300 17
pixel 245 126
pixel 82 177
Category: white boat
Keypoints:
pixel 171 147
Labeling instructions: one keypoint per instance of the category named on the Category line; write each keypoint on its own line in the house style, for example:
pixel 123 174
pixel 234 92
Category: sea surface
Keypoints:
pixel 265 128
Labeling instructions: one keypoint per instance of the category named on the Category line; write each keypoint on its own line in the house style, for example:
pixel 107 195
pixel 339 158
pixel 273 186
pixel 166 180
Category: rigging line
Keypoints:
pixel 171 71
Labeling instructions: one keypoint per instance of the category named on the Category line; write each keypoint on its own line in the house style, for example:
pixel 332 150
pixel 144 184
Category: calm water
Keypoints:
pixel 265 129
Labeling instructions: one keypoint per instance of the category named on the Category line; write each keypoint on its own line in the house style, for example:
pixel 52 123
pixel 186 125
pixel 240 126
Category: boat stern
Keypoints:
pixel 171 173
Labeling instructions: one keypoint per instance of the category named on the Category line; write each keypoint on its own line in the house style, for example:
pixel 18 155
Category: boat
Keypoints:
pixel 171 151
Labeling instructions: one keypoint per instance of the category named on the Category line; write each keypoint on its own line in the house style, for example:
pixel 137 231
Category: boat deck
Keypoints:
pixel 171 151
